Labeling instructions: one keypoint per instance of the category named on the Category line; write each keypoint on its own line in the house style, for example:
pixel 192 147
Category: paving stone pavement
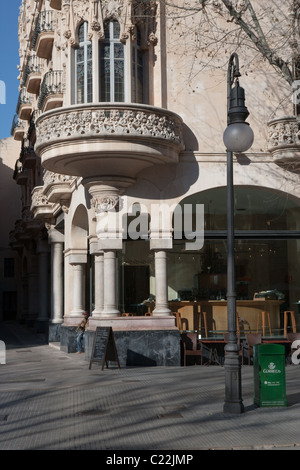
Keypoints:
pixel 51 400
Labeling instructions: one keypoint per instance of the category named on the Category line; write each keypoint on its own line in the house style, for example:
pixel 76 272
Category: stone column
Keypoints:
pixel 110 308
pixel 99 285
pixel 161 285
pixel 43 318
pixel 105 198
pixel 56 241
pixel 57 285
pixel 78 289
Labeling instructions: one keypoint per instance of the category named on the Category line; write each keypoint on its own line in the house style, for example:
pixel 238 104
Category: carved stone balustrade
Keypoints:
pixel 284 141
pixel 107 140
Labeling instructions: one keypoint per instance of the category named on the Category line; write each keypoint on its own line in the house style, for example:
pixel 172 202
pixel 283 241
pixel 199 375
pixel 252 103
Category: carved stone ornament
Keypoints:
pixel 38 198
pixel 55 178
pixel 284 131
pixel 96 12
pixel 284 141
pixel 104 203
pixel 123 121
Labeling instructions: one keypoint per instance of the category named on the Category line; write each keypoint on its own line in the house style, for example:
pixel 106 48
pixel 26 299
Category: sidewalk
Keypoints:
pixel 50 400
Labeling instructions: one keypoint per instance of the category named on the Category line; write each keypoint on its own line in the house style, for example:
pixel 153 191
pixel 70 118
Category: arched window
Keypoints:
pixel 112 65
pixel 137 83
pixel 83 68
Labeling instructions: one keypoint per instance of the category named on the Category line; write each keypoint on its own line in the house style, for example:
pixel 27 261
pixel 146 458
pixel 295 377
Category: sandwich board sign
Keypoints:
pixel 104 347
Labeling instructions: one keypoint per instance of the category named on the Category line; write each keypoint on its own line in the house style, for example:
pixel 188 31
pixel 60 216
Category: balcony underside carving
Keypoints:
pixel 57 187
pixel 108 139
pixel 40 206
pixel 284 141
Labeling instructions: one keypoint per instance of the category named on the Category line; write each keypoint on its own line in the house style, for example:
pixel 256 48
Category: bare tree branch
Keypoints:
pixel 250 25
pixel 260 41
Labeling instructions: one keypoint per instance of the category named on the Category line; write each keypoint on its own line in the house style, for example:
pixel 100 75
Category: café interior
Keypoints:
pixel 267 262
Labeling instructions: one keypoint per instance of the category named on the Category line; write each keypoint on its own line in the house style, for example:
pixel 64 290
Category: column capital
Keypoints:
pixel 55 236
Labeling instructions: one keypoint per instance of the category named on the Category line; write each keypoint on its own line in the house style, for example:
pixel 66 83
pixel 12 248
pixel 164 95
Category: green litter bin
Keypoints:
pixel 269 375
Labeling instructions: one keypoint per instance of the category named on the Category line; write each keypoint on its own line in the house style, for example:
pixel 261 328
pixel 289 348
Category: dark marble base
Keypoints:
pixel 135 348
pixel 54 333
pixel 68 339
pixel 143 348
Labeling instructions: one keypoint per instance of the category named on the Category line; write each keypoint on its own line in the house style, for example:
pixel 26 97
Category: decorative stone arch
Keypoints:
pixel 80 229
pixel 249 199
pixel 76 32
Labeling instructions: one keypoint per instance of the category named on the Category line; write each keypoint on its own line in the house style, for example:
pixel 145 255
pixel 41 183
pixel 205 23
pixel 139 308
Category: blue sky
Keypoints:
pixel 9 60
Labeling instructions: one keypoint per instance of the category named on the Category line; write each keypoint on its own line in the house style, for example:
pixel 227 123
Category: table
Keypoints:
pixel 211 315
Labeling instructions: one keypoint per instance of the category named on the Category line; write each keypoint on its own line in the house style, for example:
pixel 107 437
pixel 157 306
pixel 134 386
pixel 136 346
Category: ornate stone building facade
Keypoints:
pixel 111 130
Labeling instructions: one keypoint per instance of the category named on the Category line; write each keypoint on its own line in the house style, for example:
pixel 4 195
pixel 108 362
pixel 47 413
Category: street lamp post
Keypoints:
pixel 238 137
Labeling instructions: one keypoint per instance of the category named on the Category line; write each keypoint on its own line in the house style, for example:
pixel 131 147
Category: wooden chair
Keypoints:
pixel 204 316
pixel 241 351
pixel 251 340
pixel 178 321
pixel 285 321
pixel 263 321
pixel 190 343
pixel 181 323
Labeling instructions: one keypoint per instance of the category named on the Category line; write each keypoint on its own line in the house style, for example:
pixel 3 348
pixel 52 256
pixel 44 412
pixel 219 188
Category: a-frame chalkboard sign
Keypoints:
pixel 104 347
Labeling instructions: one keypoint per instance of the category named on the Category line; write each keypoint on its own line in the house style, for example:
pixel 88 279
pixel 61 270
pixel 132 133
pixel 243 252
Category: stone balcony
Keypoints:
pixel 32 74
pixel 20 174
pixel 284 141
pixel 24 105
pixel 43 36
pixel 28 157
pixel 51 94
pixel 107 140
pixel 58 188
pixel 18 128
pixel 40 206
